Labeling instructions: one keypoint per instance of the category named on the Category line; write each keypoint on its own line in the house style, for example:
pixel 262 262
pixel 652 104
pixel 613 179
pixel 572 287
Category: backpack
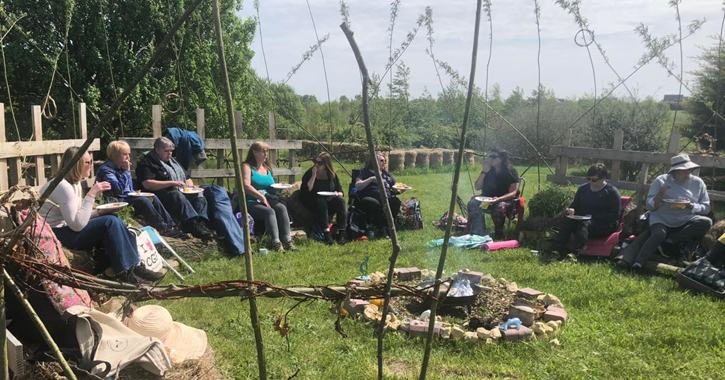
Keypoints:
pixel 410 217
pixel 357 224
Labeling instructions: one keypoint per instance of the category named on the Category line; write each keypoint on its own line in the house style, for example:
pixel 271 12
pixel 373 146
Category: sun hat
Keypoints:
pixel 681 162
pixel 155 321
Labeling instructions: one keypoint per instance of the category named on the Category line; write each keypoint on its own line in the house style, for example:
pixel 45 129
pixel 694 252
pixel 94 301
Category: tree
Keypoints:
pixel 709 95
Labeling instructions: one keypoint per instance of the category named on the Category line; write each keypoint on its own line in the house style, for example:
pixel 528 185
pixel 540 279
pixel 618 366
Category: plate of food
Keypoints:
pixel 677 201
pixel 192 190
pixel 401 186
pixel 112 206
pixel 281 186
pixel 327 193
pixel 140 194
pixel 483 199
pixel 579 217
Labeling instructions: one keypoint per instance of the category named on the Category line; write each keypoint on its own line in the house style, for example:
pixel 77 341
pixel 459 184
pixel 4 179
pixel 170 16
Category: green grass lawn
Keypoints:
pixel 620 326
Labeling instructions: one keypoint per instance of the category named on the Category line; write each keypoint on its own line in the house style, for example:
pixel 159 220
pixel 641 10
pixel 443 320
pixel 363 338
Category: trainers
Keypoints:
pixel 172 233
pixel 341 240
pixel 637 268
pixel 621 264
pixel 327 238
pixel 277 247
pixel 130 277
pixel 200 231
pixel 143 272
pixel 291 246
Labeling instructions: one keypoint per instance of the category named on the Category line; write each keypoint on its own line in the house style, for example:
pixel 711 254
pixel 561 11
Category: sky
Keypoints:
pixel 287 31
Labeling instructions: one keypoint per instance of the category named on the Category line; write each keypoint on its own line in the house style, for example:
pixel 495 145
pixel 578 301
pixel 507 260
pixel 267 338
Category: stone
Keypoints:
pixel 555 342
pixel 473 277
pixel 539 328
pixel 490 341
pixel 393 325
pixel 559 323
pixel 488 279
pixel 503 281
pixel 554 313
pixel 496 333
pixel 550 300
pixel 371 313
pixel 409 274
pixel 446 332
pixel 483 333
pixel 512 287
pixel 375 278
pixel 528 292
pixel 554 325
pixel 513 335
pixel 524 302
pixel 470 337
pixel 524 313
pixel 355 306
pixel 457 332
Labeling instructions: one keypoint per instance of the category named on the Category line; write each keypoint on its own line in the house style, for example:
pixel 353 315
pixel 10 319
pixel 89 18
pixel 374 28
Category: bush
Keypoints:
pixel 550 201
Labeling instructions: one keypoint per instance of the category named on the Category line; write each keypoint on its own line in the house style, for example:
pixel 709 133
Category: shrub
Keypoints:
pixel 550 201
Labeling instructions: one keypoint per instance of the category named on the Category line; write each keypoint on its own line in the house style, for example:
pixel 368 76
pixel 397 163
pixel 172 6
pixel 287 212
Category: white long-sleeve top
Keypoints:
pixel 66 206
pixel 693 189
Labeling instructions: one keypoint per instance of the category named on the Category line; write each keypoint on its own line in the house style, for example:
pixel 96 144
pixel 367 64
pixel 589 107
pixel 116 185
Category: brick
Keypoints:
pixel 513 335
pixel 355 306
pixel 419 329
pixel 409 274
pixel 554 313
pixel 357 282
pixel 528 292
pixel 473 277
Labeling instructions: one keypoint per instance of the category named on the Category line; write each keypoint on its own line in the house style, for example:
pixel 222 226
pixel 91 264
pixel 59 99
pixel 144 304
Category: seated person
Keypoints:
pixel 158 172
pixel 674 222
pixel 500 181
pixel 322 177
pixel 117 172
pixel 78 226
pixel 598 199
pixel 263 203
pixel 369 193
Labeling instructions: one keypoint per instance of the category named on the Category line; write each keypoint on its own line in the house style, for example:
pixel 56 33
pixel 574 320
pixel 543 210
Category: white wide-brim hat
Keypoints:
pixel 155 321
pixel 681 162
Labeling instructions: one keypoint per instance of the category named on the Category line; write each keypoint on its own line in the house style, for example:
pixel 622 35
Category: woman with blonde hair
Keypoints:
pixel 263 203
pixel 117 172
pixel 322 178
pixel 369 192
pixel 78 226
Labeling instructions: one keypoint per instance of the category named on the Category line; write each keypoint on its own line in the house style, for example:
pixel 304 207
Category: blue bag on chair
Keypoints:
pixel 223 219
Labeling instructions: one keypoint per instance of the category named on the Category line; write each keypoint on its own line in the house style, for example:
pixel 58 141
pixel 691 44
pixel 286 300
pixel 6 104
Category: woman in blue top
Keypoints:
pixel 598 199
pixel 262 203
pixel 117 172
pixel 678 203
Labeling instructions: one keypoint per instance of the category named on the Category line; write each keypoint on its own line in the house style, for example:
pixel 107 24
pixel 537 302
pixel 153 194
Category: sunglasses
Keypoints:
pixel 88 162
pixel 318 162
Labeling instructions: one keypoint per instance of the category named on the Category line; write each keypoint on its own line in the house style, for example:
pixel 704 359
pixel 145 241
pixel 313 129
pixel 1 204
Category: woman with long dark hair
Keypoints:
pixel 262 202
pixel 498 181
pixel 322 178
pixel 369 192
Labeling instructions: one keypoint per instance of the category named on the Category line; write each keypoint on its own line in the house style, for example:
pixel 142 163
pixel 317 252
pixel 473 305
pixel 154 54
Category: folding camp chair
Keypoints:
pixel 157 239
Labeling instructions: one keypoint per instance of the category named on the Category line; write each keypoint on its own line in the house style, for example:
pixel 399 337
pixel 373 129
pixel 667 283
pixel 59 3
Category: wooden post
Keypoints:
pixel 201 131
pixel 4 184
pixel 156 120
pixel 616 164
pixel 37 120
pixel 83 124
pixel 292 163
pixel 562 162
pixel 272 137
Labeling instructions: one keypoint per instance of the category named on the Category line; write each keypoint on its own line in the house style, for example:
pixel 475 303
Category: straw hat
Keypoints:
pixel 681 162
pixel 155 321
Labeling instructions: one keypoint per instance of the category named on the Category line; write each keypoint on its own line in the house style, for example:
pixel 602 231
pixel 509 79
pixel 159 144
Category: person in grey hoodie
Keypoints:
pixel 678 204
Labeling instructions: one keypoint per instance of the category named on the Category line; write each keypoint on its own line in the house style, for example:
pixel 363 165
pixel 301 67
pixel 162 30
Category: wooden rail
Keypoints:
pixel 617 156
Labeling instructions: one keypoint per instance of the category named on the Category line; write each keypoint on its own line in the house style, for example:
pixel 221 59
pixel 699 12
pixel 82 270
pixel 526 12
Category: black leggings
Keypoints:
pixel 374 209
pixel 326 206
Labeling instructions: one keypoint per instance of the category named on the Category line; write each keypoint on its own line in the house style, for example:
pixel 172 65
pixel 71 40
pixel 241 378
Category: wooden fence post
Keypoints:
pixel 292 163
pixel 156 120
pixel 616 164
pixel 272 137
pixel 83 124
pixel 201 131
pixel 4 184
pixel 37 120
pixel 562 162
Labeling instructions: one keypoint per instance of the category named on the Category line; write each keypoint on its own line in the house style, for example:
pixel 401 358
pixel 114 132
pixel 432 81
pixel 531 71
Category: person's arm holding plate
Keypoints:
pixel 338 187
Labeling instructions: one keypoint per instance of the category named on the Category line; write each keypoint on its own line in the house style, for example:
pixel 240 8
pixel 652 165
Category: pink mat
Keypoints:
pixel 500 245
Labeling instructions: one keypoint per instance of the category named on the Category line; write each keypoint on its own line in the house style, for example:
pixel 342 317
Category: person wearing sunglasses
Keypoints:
pixel 596 198
pixel 369 193
pixel 499 181
pixel 678 205
pixel 322 177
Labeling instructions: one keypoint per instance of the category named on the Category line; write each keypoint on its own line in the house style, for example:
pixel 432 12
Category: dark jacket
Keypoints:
pixel 603 205
pixel 498 184
pixel 150 167
pixel 372 189
pixel 308 197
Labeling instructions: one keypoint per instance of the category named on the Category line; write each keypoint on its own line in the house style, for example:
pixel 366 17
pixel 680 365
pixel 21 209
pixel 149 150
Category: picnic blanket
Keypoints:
pixel 464 241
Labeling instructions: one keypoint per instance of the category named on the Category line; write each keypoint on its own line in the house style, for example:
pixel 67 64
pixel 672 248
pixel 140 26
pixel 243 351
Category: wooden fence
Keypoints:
pixel 24 162
pixel 617 156
pixel 221 146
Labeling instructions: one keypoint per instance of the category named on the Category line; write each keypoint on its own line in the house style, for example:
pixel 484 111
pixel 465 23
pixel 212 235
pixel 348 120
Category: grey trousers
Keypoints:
pixel 275 218
pixel 647 242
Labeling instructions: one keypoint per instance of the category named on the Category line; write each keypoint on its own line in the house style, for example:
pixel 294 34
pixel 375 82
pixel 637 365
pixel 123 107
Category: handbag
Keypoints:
pixel 147 252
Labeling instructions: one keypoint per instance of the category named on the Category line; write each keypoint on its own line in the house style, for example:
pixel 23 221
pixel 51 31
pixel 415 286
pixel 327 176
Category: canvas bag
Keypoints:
pixel 147 252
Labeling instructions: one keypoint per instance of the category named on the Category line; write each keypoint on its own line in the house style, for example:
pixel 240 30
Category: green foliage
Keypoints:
pixel 708 96
pixel 550 201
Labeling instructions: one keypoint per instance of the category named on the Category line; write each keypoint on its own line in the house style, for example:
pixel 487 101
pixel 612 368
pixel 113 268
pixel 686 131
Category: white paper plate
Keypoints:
pixel 327 193
pixel 140 194
pixel 112 206
pixel 402 187
pixel 281 186
pixel 579 217
pixel 676 201
pixel 483 199
pixel 188 190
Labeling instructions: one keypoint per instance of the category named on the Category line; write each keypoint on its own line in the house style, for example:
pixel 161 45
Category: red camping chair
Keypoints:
pixel 603 247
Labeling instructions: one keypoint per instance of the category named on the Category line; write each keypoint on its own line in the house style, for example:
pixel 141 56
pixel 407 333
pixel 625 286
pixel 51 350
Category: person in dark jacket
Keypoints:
pixel 499 182
pixel 117 172
pixel 322 178
pixel 369 193
pixel 158 172
pixel 598 199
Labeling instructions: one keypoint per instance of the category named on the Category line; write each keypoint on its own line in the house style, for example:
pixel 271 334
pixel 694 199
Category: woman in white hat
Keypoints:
pixel 678 204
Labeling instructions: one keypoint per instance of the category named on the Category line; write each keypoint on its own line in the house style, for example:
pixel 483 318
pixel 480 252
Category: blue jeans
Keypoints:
pixel 108 231
pixel 222 218
pixel 152 211
pixel 182 207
